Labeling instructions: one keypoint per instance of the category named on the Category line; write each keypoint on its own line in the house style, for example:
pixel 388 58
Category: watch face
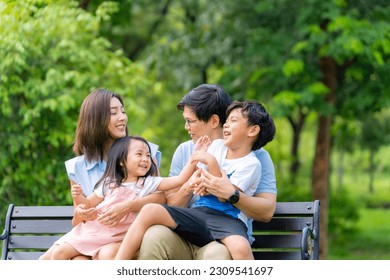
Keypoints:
pixel 235 197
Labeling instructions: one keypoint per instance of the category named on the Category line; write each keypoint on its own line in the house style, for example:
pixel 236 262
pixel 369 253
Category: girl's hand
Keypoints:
pixel 191 184
pixel 200 153
pixel 76 190
pixel 202 143
pixel 86 214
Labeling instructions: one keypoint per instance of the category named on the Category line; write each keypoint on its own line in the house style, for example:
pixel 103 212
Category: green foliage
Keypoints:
pixel 51 57
pixel 343 216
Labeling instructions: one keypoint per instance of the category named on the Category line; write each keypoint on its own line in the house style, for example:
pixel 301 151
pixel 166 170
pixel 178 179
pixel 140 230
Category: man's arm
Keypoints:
pixel 259 207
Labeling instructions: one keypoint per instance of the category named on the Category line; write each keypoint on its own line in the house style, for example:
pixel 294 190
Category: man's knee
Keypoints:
pixel 213 251
pixel 161 243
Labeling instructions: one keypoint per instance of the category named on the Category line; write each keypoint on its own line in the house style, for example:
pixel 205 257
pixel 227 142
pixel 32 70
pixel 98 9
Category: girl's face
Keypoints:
pixel 138 160
pixel 118 120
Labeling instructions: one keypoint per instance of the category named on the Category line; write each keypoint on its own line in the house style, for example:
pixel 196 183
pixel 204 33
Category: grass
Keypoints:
pixel 371 242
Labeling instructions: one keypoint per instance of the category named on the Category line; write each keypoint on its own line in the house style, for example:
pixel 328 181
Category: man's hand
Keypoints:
pixel 221 187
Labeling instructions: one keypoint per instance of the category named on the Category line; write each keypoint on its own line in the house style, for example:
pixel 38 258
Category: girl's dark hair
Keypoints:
pixel 207 100
pixel 116 171
pixel 256 115
pixel 92 133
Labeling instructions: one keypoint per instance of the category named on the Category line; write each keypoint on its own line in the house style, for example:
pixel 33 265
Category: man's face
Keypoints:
pixel 195 127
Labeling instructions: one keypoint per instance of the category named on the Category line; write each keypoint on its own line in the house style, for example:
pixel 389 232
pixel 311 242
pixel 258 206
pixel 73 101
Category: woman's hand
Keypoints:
pixel 113 215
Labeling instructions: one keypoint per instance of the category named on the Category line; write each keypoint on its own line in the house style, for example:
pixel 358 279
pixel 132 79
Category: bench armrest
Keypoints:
pixel 4 235
pixel 307 243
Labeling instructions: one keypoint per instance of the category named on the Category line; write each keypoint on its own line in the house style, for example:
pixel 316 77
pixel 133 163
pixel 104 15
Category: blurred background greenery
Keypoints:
pixel 320 67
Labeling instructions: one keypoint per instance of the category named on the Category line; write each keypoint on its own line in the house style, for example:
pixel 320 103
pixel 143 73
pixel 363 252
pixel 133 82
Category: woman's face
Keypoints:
pixel 118 120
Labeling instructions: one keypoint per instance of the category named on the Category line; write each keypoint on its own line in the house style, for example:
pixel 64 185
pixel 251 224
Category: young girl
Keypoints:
pixel 128 176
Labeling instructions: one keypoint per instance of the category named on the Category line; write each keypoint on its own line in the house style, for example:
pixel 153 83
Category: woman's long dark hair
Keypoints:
pixel 92 134
pixel 116 171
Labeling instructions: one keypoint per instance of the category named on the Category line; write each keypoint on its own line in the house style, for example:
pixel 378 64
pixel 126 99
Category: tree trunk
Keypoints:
pixel 320 173
pixel 297 129
pixel 371 171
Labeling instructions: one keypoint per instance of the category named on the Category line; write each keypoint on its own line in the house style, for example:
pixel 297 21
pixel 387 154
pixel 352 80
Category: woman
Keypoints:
pixel 102 120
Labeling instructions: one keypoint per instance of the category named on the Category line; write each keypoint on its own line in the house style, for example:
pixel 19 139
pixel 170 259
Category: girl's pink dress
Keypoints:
pixel 89 237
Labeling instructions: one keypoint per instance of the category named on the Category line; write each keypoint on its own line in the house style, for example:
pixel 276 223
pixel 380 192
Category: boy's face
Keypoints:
pixel 195 127
pixel 236 129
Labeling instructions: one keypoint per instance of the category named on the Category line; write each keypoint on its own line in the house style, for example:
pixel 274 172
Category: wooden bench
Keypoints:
pixel 293 233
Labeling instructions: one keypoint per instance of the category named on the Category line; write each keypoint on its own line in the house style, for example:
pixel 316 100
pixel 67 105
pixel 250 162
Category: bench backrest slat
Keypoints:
pixel 32 242
pixel 42 212
pixel 278 241
pixel 285 223
pixel 24 255
pixel 41 226
pixel 277 255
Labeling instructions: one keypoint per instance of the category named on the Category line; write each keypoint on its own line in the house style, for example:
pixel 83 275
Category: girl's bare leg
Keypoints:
pixel 109 251
pixel 238 247
pixel 47 254
pixel 64 251
pixel 81 258
pixel 150 214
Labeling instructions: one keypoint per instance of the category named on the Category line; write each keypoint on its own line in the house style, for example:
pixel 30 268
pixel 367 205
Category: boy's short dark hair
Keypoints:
pixel 207 100
pixel 256 115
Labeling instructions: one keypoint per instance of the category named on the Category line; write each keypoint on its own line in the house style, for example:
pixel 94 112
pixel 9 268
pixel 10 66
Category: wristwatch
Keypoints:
pixel 234 198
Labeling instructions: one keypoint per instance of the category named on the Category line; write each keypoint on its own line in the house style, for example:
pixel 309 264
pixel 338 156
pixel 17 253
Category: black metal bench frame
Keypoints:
pixel 293 232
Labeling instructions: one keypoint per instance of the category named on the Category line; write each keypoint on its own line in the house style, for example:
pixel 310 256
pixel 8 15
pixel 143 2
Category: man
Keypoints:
pixel 204 112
